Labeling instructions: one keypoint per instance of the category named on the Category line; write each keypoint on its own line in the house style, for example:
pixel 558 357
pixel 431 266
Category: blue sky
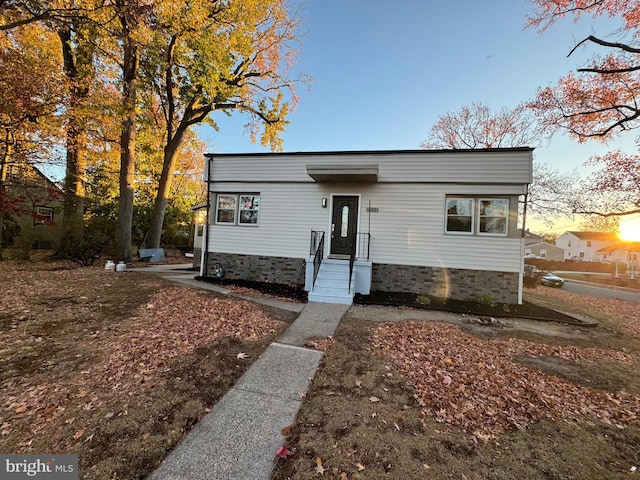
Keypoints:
pixel 384 72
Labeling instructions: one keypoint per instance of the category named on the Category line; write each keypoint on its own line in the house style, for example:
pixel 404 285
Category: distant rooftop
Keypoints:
pixel 606 236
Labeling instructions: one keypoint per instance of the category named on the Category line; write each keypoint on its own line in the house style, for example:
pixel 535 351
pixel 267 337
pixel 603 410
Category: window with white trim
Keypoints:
pixel 237 208
pixel 494 213
pixel 249 209
pixel 460 213
pixel 477 216
pixel 44 215
pixel 226 209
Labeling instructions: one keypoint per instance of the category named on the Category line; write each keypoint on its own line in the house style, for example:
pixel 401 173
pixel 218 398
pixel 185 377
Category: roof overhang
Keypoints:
pixel 334 172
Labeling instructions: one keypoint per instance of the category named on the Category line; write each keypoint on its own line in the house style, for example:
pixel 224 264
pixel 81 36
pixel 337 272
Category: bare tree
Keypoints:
pixel 476 126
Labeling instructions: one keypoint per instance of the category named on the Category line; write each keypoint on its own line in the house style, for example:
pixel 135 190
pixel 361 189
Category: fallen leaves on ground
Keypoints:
pixel 473 383
pixel 283 453
pixel 108 361
pixel 624 314
pixel 175 322
pixel 320 344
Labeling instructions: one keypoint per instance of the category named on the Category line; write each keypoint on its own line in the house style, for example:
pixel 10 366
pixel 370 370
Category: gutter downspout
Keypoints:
pixel 524 233
pixel 204 258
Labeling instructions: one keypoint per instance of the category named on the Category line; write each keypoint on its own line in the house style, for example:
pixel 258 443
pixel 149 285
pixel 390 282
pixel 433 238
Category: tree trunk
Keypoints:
pixel 3 183
pixel 74 188
pixel 77 58
pixel 171 151
pixel 127 143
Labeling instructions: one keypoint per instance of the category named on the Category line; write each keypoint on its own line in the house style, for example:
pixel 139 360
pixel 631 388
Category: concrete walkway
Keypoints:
pixel 239 438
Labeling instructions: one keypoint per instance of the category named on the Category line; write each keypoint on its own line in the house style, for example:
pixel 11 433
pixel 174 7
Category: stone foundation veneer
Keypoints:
pixel 437 281
pixel 259 268
pixel 446 282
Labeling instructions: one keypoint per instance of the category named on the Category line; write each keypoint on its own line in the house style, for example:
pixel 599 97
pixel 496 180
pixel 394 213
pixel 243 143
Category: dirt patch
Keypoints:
pixel 116 367
pixel 565 406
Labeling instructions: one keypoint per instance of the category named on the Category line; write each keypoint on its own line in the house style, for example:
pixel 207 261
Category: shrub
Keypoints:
pixel 423 300
pixel 485 299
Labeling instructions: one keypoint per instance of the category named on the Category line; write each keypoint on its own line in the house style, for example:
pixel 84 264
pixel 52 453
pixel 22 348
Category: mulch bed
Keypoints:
pixel 470 307
pixel 272 289
pixel 404 299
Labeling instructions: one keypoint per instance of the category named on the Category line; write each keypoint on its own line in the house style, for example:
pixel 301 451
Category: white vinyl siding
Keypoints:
pixel 479 167
pixel 406 229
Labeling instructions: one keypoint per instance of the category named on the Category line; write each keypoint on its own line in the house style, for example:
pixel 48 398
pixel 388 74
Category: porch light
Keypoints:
pixel 324 202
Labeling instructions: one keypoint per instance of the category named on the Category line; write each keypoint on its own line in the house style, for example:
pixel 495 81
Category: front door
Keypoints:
pixel 344 224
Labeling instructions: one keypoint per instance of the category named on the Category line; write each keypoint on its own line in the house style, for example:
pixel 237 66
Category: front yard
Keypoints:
pixel 455 400
pixel 116 367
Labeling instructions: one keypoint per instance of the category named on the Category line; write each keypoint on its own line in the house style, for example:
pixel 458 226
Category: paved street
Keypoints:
pixel 602 292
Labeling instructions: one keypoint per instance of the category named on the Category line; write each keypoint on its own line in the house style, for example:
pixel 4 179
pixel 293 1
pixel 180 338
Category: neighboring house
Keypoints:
pixel 531 238
pixel 543 250
pixel 620 251
pixel 438 222
pixel 30 206
pixel 584 246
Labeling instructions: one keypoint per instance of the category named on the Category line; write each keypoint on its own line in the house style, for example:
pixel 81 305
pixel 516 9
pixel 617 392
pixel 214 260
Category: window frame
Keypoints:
pixel 253 196
pixel 476 217
pixel 48 216
pixel 446 216
pixel 506 217
pixel 237 211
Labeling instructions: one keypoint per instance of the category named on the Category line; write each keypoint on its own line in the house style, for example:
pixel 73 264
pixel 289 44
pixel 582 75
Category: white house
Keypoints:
pixel 584 246
pixel 439 222
pixel 621 251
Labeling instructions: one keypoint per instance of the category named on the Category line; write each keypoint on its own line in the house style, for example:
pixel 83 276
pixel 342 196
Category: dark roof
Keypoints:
pixel 543 243
pixel 372 152
pixel 605 236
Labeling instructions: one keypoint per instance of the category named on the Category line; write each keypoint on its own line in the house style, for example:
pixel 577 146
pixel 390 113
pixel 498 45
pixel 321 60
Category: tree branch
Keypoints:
pixel 604 43
pixel 608 214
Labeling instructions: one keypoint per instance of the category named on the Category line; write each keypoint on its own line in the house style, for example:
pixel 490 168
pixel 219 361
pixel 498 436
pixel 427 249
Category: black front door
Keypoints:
pixel 344 225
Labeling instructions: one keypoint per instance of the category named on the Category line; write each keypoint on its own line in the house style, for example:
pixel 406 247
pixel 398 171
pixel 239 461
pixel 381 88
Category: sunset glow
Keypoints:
pixel 630 230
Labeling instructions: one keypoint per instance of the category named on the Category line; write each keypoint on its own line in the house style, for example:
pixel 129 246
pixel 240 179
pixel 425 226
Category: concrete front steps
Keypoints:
pixel 332 284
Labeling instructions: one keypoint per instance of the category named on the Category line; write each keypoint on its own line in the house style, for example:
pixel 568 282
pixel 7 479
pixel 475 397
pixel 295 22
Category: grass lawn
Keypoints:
pixel 116 367
pixel 450 399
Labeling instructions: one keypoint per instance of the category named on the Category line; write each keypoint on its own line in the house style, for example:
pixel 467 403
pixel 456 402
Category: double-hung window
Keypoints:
pixel 226 207
pixel 477 216
pixel 237 208
pixel 493 214
pixel 460 215
pixel 249 209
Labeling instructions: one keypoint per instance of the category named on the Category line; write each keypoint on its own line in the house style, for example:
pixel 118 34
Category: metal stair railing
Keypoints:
pixel 317 250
